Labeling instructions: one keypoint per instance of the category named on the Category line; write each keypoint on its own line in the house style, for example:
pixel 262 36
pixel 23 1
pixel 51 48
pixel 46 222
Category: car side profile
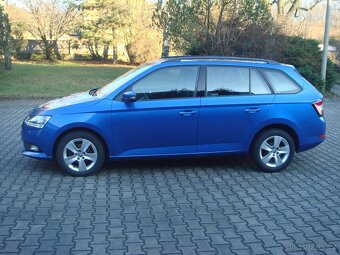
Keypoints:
pixel 182 106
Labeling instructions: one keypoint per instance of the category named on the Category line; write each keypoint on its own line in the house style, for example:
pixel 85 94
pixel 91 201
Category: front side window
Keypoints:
pixel 280 82
pixel 166 83
pixel 112 86
pixel 227 80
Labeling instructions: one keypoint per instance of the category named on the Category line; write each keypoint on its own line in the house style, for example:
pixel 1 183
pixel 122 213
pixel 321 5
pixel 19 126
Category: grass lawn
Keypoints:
pixel 54 80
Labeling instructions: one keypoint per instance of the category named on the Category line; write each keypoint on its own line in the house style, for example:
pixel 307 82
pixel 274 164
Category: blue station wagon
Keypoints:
pixel 182 106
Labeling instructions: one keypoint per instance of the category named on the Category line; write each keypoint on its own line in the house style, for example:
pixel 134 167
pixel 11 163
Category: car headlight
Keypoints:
pixel 38 121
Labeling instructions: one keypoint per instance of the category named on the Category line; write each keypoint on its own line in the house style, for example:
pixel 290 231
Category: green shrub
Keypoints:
pixel 81 57
pixel 38 57
pixel 330 75
pixel 23 56
pixel 305 55
pixel 66 57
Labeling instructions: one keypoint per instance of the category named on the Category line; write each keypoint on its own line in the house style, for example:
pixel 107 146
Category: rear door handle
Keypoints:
pixel 187 113
pixel 252 110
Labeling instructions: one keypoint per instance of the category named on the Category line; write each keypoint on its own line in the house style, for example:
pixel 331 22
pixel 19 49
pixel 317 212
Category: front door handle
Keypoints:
pixel 252 110
pixel 187 113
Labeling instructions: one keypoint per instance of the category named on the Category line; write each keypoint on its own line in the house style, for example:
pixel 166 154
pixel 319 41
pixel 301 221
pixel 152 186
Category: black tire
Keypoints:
pixel 273 164
pixel 93 157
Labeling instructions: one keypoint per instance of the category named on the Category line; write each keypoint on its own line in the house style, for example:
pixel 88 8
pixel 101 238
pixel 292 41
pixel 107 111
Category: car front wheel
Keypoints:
pixel 273 150
pixel 80 153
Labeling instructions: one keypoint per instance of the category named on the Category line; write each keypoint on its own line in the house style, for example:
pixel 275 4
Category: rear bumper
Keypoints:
pixel 310 145
pixel 314 135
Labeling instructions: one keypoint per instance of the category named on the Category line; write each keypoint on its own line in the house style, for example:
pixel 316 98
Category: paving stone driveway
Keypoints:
pixel 183 206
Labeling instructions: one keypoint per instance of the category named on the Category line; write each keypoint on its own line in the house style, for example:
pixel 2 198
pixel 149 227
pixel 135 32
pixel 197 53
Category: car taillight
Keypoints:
pixel 318 106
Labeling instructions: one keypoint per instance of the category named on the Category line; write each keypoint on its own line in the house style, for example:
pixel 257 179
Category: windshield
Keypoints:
pixel 112 86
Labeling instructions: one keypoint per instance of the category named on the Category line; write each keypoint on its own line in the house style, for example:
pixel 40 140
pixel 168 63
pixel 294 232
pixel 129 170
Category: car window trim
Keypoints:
pixel 202 80
pixel 119 96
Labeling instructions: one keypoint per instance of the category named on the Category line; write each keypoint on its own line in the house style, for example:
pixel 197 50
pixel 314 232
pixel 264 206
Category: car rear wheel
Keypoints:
pixel 273 150
pixel 80 153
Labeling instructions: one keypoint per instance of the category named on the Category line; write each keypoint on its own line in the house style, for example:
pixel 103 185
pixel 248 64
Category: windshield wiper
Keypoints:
pixel 93 92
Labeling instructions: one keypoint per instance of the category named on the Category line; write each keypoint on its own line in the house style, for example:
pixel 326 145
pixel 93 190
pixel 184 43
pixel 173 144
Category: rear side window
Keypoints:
pixel 169 82
pixel 258 84
pixel 226 81
pixel 280 82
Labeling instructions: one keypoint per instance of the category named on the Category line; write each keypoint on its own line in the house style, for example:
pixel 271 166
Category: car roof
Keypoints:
pixel 220 60
pixel 217 58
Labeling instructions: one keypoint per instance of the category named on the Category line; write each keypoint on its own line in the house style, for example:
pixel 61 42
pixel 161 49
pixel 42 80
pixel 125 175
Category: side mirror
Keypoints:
pixel 129 96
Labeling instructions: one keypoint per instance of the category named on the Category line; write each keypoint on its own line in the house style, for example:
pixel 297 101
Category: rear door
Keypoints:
pixel 236 100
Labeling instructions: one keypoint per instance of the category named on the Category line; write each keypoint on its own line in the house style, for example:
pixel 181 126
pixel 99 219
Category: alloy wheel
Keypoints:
pixel 274 151
pixel 80 154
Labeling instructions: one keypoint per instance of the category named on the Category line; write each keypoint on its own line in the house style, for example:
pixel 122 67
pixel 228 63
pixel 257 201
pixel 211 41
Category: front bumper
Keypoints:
pixel 36 155
pixel 40 137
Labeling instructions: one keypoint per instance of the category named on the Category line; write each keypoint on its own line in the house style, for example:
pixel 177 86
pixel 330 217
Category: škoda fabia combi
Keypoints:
pixel 182 106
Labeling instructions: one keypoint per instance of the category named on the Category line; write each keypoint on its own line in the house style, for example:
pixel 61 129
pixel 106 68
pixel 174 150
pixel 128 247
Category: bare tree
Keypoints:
pixel 224 27
pixel 49 20
pixel 288 8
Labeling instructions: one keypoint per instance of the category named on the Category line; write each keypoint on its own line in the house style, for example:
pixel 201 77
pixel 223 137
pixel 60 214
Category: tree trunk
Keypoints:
pixel 106 52
pixel 208 23
pixel 91 50
pixel 69 47
pixel 127 53
pixel 114 55
pixel 165 45
pixel 8 61
pixel 48 53
pixel 96 49
pixel 56 49
pixel 114 46
pixel 47 49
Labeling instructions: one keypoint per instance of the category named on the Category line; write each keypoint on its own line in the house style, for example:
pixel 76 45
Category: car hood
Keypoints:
pixel 73 99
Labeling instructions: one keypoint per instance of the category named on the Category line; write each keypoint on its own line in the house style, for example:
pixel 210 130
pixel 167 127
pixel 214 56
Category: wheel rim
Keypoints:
pixel 274 151
pixel 80 154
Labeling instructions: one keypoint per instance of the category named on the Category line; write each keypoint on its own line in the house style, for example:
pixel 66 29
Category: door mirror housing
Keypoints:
pixel 129 96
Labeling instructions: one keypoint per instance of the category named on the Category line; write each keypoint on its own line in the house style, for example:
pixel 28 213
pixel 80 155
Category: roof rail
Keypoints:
pixel 219 58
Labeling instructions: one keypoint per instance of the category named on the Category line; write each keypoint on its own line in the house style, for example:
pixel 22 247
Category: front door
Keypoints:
pixel 164 118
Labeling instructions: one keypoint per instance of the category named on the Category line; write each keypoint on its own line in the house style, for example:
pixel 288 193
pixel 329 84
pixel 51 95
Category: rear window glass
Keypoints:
pixel 280 82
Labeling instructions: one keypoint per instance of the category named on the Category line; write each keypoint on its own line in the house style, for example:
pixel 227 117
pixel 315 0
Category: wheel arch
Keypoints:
pixel 85 129
pixel 283 127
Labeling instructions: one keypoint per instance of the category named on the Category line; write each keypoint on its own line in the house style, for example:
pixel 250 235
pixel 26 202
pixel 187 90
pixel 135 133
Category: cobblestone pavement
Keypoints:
pixel 336 89
pixel 182 206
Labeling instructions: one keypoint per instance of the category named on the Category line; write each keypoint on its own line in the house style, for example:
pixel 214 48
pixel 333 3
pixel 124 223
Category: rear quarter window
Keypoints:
pixel 280 82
